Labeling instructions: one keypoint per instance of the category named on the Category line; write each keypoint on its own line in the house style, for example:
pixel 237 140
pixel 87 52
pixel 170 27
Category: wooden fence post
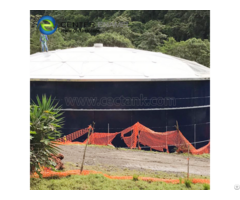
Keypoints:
pixel 92 128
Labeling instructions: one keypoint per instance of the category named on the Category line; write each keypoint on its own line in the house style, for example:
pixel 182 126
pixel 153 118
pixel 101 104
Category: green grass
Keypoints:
pixel 205 155
pixel 206 186
pixel 92 145
pixel 117 171
pixel 99 182
pixel 180 180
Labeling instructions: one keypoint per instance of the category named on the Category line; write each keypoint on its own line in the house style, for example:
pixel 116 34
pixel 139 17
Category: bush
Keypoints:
pixel 135 177
pixel 206 186
pixel 188 183
pixel 45 122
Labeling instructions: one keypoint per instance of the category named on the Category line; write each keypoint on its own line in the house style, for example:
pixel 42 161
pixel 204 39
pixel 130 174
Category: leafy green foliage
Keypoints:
pixel 76 38
pixel 193 49
pixel 186 24
pixel 181 33
pixel 121 29
pixel 135 177
pixel 206 186
pixel 45 123
pixel 137 27
pixel 110 39
pixel 188 183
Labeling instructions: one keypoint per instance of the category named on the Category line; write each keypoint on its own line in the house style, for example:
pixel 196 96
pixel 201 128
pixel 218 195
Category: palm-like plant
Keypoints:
pixel 45 123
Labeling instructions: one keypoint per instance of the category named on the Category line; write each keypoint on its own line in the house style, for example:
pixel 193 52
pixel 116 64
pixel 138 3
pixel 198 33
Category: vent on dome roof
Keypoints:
pixel 98 45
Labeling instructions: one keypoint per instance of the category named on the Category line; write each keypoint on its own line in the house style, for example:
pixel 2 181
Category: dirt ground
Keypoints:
pixel 135 159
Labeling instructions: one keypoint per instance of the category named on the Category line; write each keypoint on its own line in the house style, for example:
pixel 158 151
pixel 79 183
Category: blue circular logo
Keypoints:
pixel 43 27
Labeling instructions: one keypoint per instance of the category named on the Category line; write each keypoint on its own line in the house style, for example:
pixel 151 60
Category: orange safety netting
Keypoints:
pixel 131 141
pixel 202 150
pixel 48 173
pixel 101 138
pixel 145 136
pixel 74 135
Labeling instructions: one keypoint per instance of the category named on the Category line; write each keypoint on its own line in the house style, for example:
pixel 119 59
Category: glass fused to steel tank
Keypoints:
pixel 117 87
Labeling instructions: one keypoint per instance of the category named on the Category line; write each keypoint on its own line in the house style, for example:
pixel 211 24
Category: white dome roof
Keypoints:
pixel 112 64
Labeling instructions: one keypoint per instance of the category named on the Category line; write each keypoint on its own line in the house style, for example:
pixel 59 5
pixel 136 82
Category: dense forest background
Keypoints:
pixel 184 34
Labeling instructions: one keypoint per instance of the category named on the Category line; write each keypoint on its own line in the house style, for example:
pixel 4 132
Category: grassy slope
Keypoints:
pixel 115 171
pixel 99 182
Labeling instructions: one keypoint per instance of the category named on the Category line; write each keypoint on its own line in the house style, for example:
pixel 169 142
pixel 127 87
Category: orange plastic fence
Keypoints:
pixel 74 135
pixel 141 134
pixel 86 172
pixel 202 150
pixel 101 138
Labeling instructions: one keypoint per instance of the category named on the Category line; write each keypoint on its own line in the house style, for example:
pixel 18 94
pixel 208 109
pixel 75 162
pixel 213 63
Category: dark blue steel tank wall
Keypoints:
pixel 186 93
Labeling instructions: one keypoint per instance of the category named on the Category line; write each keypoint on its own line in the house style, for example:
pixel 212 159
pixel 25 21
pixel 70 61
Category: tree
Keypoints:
pixel 153 37
pixel 76 38
pixel 193 49
pixel 110 39
pixel 121 25
pixel 147 29
pixel 137 27
pixel 186 24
